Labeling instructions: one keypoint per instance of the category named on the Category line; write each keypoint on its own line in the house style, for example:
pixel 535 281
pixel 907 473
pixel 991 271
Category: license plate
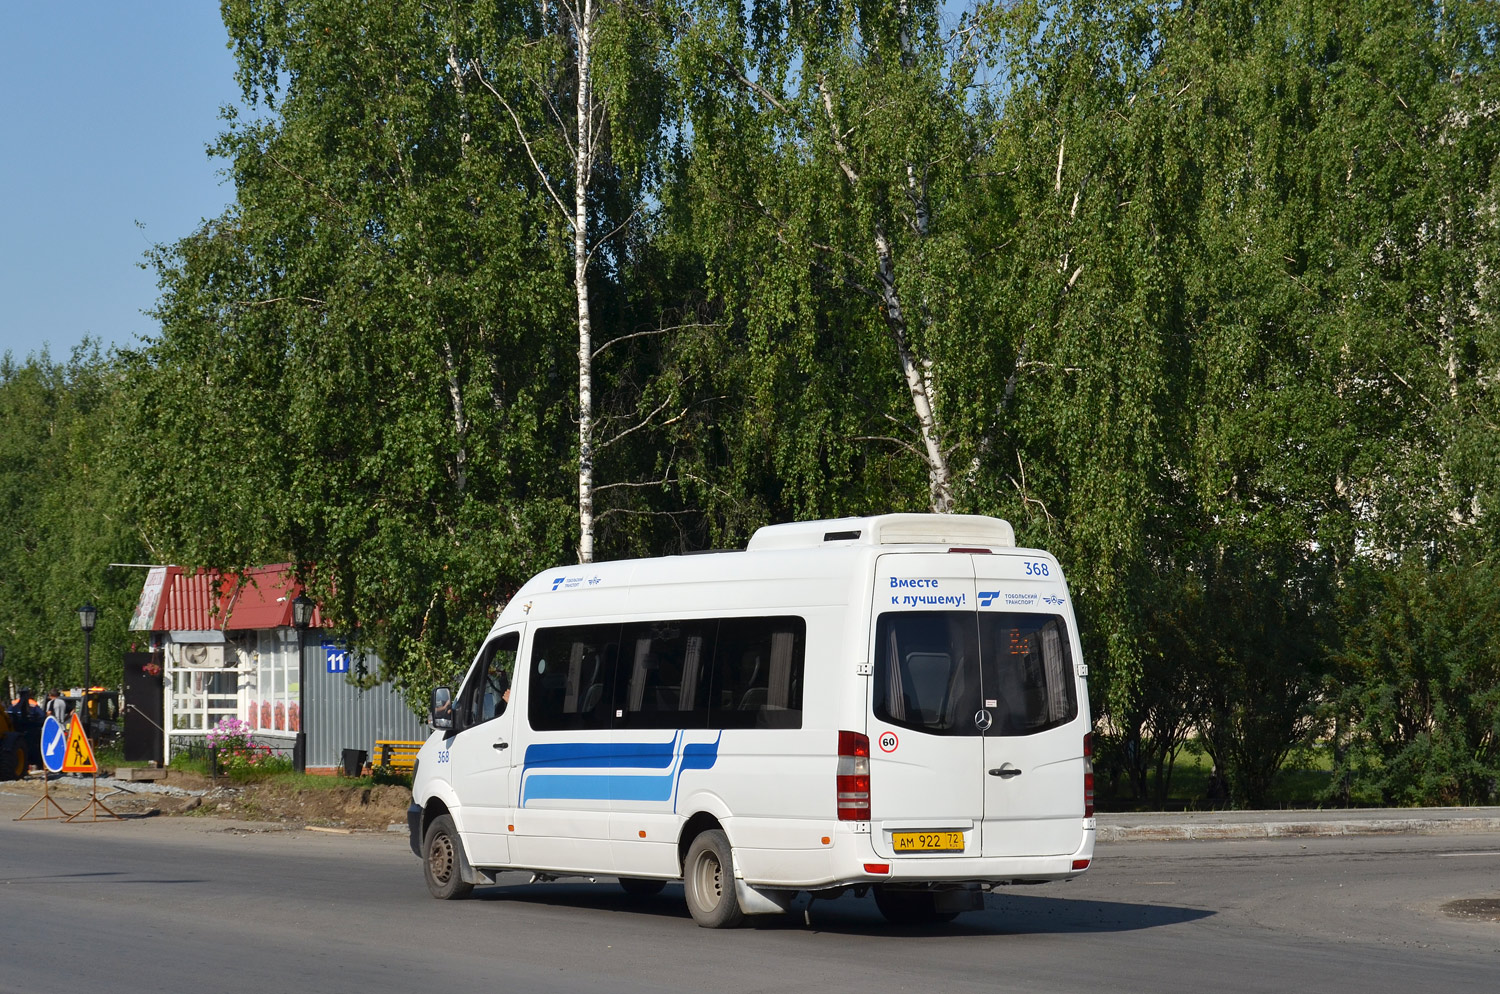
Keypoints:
pixel 927 841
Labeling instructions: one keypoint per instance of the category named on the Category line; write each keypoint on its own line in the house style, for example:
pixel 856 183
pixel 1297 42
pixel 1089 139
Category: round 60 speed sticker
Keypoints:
pixel 888 742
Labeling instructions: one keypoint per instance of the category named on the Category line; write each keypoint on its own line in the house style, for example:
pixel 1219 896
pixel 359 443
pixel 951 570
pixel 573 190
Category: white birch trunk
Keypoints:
pixel 918 382
pixel 584 129
pixel 583 167
pixel 460 419
pixel 917 372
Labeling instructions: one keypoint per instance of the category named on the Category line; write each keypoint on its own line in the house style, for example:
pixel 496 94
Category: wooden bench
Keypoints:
pixel 396 754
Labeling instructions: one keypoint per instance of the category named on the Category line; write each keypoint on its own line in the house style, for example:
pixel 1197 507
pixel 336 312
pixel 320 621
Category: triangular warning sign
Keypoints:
pixel 79 757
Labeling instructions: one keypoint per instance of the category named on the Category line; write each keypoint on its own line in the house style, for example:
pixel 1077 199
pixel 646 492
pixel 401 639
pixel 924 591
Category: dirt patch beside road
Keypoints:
pixel 348 804
pixel 373 808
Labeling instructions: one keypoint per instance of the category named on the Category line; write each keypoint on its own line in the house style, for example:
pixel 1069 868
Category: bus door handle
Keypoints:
pixel 502 744
pixel 1005 772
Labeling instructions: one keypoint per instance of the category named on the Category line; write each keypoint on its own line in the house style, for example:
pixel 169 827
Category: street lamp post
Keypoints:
pixel 87 615
pixel 302 612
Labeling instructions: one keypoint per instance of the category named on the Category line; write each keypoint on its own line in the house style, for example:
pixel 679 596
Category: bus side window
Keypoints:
pixel 572 677
pixel 757 673
pixel 663 674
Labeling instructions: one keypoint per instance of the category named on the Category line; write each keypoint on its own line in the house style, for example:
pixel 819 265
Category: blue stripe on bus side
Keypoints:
pixel 597 787
pixel 607 756
pixel 696 756
pixel 701 756
pixel 601 755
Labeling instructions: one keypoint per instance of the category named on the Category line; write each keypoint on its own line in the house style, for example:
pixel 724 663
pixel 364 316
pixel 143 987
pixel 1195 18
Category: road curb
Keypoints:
pixel 1166 827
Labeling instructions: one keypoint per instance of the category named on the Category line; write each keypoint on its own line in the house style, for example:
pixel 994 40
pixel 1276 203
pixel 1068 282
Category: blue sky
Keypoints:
pixel 105 109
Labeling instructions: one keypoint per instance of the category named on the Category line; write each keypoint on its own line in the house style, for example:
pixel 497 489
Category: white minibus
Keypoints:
pixel 892 704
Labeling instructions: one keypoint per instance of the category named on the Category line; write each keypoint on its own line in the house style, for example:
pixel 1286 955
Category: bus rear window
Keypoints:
pixel 927 671
pixel 935 670
pixel 1028 672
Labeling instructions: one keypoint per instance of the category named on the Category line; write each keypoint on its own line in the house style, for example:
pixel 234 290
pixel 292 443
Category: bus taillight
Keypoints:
pixel 853 780
pixel 1088 775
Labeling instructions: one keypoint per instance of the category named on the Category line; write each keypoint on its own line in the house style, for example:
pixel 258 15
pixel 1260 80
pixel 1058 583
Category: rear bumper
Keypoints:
pixel 965 869
pixel 851 860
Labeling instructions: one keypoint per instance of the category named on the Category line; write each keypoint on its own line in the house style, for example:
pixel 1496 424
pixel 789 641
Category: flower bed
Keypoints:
pixel 240 757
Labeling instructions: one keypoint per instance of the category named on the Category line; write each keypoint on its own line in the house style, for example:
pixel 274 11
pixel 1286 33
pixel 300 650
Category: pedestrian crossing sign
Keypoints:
pixel 79 757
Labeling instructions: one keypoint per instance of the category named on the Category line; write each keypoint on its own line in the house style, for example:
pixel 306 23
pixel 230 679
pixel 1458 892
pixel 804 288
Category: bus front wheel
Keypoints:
pixel 442 860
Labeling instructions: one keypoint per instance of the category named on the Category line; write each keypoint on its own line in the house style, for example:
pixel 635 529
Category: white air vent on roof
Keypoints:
pixel 951 530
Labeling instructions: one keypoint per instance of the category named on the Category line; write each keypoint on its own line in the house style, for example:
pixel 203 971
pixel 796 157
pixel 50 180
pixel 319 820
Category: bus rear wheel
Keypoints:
pixel 708 881
pixel 910 907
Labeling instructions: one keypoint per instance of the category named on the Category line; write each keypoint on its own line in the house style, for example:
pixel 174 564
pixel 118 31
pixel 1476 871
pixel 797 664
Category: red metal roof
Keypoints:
pixel 209 600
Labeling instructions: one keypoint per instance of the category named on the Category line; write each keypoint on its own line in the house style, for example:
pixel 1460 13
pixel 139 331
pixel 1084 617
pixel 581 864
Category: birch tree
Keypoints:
pixel 358 368
pixel 59 494
pixel 1249 386
pixel 573 79
pixel 833 143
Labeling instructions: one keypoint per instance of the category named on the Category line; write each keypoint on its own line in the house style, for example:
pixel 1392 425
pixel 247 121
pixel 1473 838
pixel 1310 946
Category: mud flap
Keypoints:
pixel 474 875
pixel 754 901
pixel 470 874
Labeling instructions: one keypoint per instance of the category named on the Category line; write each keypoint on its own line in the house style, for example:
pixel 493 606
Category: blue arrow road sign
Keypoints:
pixel 54 744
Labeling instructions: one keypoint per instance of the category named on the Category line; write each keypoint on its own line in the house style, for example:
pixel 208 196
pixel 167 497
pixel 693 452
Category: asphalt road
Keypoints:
pixel 191 905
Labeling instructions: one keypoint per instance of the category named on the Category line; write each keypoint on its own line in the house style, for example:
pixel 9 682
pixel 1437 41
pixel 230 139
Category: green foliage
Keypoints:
pixel 58 495
pixel 1259 328
pixel 1261 648
pixel 192 762
pixel 390 775
pixel 830 191
pixel 1420 678
pixel 1201 296
pixel 248 766
pixel 357 370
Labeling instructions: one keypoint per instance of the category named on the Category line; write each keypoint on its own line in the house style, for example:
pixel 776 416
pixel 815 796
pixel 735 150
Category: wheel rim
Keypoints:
pixel 440 858
pixel 708 881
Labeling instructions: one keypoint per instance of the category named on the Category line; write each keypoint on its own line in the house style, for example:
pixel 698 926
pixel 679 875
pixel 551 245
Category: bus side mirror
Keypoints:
pixel 442 708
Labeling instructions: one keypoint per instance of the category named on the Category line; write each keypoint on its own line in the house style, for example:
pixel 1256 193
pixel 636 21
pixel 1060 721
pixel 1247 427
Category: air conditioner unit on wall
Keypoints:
pixel 202 656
